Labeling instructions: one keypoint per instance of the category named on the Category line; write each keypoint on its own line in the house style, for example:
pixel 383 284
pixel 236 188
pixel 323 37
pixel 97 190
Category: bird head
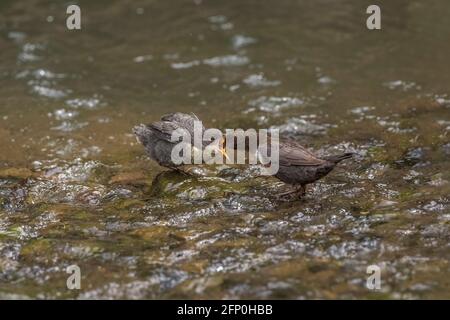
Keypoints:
pixel 141 132
pixel 218 148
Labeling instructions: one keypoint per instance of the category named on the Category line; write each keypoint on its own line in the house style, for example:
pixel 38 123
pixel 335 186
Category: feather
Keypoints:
pixel 293 154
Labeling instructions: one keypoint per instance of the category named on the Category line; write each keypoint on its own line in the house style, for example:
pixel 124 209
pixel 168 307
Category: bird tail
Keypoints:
pixel 339 158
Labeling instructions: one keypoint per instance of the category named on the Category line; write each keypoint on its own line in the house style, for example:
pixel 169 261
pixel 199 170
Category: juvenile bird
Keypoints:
pixel 156 137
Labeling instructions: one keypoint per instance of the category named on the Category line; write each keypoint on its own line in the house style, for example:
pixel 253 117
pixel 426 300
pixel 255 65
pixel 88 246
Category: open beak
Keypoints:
pixel 222 149
pixel 224 153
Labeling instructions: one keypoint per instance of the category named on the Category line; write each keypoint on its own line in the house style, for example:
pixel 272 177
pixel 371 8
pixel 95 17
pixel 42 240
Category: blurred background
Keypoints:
pixel 76 187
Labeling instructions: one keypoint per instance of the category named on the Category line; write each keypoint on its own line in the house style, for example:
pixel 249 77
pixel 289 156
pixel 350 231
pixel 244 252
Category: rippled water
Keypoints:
pixel 76 188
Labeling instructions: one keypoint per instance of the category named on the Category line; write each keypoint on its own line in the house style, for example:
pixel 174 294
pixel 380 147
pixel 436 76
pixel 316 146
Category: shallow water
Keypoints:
pixel 76 188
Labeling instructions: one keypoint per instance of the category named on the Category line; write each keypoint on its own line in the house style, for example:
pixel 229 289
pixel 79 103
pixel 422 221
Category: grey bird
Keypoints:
pixel 156 137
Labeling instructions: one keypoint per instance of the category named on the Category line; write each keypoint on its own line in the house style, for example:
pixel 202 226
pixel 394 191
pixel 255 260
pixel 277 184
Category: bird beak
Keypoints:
pixel 222 149
pixel 224 153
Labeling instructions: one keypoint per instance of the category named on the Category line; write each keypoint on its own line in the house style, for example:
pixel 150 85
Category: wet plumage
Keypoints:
pixel 299 167
pixel 156 137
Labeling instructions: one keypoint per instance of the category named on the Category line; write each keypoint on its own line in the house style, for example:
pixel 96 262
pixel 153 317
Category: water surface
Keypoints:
pixel 76 188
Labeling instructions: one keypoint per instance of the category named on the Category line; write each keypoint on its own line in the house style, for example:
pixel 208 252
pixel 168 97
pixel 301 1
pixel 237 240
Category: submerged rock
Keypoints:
pixel 132 178
pixel 386 203
pixel 16 173
pixel 412 157
pixel 446 149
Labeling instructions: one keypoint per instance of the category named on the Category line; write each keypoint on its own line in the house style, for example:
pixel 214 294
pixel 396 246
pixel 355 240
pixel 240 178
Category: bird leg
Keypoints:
pixel 301 191
pixel 297 190
pixel 279 195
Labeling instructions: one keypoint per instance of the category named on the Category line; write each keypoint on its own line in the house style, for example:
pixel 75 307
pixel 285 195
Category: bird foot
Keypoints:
pixel 300 192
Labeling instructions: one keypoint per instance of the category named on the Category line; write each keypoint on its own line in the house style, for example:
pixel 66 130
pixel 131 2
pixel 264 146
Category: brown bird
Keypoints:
pixel 299 167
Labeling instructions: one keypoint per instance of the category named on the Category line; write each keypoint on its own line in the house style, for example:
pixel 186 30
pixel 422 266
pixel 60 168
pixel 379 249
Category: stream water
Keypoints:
pixel 76 187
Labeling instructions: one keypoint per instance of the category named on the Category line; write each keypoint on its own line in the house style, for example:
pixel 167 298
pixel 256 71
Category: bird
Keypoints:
pixel 299 167
pixel 156 137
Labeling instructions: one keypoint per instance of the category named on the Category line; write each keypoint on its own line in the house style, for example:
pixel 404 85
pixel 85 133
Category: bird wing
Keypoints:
pixel 163 129
pixel 184 120
pixel 293 154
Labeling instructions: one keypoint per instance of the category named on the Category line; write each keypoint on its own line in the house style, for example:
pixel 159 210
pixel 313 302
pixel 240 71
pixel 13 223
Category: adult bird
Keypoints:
pixel 297 165
pixel 156 137
pixel 300 167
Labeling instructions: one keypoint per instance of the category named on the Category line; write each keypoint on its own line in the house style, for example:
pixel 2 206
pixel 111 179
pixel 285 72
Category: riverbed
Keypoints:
pixel 77 189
